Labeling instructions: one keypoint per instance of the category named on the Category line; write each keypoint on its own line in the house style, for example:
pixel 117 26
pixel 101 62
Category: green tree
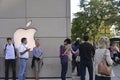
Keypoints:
pixel 92 14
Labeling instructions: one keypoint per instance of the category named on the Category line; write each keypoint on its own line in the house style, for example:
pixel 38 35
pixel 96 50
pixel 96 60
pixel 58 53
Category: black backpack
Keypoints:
pixel 14 49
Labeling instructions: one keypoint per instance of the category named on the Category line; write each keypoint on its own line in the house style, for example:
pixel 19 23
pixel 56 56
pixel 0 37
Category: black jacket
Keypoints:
pixel 87 51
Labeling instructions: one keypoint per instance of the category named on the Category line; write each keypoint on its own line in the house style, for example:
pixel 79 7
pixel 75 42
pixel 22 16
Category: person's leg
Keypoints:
pixel 25 69
pixel 73 65
pixel 6 69
pixel 64 70
pixel 40 63
pixel 90 70
pixel 37 69
pixel 78 68
pixel 82 70
pixel 22 69
pixel 13 63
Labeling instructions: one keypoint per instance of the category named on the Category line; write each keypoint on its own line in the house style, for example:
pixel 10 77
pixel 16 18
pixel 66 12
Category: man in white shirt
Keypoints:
pixel 10 55
pixel 23 55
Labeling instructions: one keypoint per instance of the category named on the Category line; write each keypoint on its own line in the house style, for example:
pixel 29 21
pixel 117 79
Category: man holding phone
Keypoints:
pixel 23 59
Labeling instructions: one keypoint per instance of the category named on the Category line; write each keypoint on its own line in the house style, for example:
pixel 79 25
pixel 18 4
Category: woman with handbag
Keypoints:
pixel 103 61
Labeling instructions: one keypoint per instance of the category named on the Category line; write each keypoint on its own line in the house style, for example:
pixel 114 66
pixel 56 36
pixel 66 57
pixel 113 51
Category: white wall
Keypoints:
pixel 52 20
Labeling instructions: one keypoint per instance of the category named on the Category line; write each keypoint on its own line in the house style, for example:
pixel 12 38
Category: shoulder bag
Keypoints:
pixel 104 68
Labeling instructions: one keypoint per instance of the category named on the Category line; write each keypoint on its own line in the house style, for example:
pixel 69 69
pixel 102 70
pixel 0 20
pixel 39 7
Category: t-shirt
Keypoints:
pixel 22 48
pixel 9 51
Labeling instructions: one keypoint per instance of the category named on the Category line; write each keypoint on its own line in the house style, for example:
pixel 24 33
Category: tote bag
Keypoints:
pixel 103 67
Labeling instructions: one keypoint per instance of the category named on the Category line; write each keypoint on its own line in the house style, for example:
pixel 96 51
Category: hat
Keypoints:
pixel 77 38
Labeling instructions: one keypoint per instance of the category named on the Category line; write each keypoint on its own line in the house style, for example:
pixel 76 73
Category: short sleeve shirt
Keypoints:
pixel 22 48
pixel 9 51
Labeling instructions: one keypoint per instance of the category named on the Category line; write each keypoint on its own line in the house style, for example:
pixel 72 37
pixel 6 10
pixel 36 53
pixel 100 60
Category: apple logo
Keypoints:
pixel 28 33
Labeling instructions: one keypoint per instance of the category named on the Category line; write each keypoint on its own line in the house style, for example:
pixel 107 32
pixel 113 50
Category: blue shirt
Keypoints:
pixel 75 47
pixel 37 52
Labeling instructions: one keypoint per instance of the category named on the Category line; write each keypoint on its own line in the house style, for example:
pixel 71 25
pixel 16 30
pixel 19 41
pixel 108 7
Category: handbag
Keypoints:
pixel 78 59
pixel 103 68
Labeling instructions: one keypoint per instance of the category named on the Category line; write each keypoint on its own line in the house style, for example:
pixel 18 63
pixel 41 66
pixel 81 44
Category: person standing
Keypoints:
pixel 103 53
pixel 10 56
pixel 23 59
pixel 75 53
pixel 116 52
pixel 86 55
pixel 37 58
pixel 64 57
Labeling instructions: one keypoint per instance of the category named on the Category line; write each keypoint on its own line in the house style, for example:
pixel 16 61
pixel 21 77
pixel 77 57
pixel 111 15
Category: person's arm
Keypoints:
pixel 67 50
pixel 93 52
pixel 42 54
pixel 79 50
pixel 16 51
pixel 4 50
pixel 33 51
pixel 95 57
pixel 108 58
pixel 23 52
pixel 75 52
pixel 117 49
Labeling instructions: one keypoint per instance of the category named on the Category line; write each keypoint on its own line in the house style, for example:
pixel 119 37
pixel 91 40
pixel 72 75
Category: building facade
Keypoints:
pixel 51 18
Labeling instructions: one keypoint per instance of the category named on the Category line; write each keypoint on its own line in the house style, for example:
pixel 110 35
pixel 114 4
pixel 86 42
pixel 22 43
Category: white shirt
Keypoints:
pixel 22 48
pixel 9 51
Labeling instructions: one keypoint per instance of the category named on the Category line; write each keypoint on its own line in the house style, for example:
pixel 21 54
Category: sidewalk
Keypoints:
pixel 116 70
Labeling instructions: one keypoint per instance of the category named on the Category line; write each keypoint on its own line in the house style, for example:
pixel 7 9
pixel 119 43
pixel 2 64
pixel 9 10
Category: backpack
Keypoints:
pixel 14 48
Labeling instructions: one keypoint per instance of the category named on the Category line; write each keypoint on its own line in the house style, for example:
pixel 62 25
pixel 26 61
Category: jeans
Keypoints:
pixel 86 64
pixel 102 78
pixel 13 65
pixel 23 68
pixel 64 70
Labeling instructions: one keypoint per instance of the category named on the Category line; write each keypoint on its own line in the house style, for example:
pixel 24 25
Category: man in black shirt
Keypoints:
pixel 86 53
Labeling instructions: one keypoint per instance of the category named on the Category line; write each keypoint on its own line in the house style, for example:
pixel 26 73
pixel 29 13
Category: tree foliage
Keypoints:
pixel 92 13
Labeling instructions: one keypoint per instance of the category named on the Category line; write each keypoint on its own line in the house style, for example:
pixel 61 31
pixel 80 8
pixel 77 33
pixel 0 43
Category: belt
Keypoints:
pixel 24 58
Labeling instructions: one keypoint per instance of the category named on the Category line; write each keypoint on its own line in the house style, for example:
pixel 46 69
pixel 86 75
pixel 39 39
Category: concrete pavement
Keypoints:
pixel 116 70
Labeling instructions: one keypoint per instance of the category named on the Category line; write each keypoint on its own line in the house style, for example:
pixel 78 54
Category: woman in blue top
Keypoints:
pixel 37 58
